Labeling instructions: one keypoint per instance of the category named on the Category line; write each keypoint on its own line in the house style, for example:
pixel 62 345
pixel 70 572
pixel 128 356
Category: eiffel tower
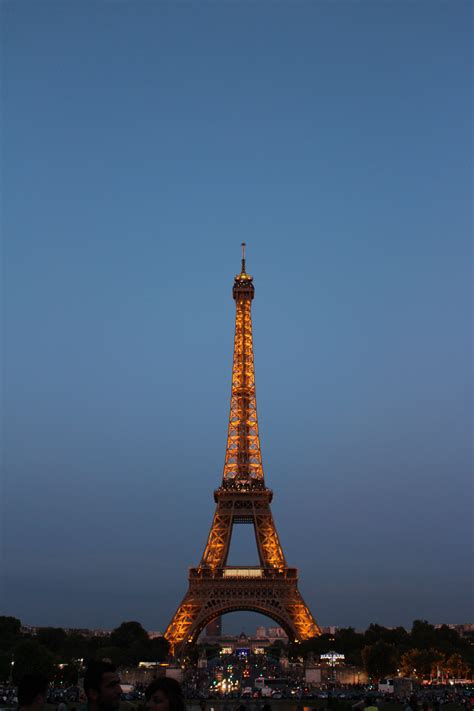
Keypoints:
pixel 242 498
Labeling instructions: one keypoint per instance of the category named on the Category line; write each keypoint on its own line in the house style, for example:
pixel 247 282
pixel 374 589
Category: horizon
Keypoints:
pixel 267 626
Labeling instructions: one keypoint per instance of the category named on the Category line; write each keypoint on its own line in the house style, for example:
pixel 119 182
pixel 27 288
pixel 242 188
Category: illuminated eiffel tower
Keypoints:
pixel 215 588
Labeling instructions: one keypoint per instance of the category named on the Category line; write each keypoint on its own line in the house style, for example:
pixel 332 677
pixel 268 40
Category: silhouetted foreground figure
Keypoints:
pixel 412 704
pixel 370 704
pixel 32 692
pixel 164 694
pixel 102 687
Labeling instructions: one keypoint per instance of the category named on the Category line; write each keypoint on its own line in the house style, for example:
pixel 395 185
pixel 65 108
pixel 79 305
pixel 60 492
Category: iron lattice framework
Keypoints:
pixel 214 587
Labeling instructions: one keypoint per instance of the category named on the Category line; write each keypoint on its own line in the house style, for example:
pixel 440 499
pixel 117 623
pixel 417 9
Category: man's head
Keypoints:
pixel 102 686
pixel 33 691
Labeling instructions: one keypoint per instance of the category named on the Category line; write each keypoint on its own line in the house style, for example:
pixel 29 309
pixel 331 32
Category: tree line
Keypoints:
pixel 51 647
pixel 424 651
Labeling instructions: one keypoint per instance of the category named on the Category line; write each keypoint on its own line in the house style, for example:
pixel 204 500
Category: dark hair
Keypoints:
pixel 94 672
pixel 370 701
pixel 171 689
pixel 29 686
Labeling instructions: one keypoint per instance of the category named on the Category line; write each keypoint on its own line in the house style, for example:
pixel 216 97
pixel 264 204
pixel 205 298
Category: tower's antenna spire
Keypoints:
pixel 243 257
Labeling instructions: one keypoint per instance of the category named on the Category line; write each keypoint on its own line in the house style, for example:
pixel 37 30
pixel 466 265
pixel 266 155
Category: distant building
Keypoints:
pixel 243 644
pixel 464 630
pixel 82 631
pixel 277 633
pixel 33 630
pixel 154 635
pixel 329 630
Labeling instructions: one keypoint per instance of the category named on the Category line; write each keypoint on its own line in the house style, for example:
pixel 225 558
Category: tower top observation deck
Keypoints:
pixel 243 282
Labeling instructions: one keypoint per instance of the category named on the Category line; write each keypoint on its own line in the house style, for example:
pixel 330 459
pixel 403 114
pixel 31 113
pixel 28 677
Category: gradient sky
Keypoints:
pixel 141 143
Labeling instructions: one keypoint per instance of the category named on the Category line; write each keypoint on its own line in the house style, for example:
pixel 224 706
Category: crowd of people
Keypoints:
pixel 103 692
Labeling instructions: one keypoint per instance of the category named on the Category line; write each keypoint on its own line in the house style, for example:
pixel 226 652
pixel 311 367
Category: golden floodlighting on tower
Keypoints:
pixel 271 588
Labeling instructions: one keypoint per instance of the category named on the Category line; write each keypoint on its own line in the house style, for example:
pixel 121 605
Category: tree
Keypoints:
pixel 380 659
pixel 275 649
pixel 159 649
pixel 423 635
pixel 68 674
pixel 434 661
pixel 456 666
pixel 30 656
pixel 398 636
pixel 421 662
pixel 127 633
pixel 317 645
pixel 410 662
pixel 116 655
pixel 10 630
pixel 350 643
pixel 449 640
pixel 348 639
pixel 133 640
pixel 76 646
pixel 375 633
pixel 54 638
pixel 5 666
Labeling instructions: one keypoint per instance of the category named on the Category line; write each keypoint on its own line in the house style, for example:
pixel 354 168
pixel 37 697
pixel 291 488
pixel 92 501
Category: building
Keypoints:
pixel 244 644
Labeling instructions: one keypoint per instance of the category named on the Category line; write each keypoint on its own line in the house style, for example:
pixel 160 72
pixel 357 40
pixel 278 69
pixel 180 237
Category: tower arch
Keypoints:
pixel 239 608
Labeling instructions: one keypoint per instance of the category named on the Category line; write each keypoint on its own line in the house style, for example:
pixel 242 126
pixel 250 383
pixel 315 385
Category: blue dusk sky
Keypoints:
pixel 141 143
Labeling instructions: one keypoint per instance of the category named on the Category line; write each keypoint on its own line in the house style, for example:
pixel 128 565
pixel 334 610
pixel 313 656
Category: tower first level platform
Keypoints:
pixel 212 593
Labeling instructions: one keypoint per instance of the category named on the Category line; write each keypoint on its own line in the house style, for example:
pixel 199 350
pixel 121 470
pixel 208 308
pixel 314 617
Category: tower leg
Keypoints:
pixel 217 547
pixel 182 625
pixel 270 551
